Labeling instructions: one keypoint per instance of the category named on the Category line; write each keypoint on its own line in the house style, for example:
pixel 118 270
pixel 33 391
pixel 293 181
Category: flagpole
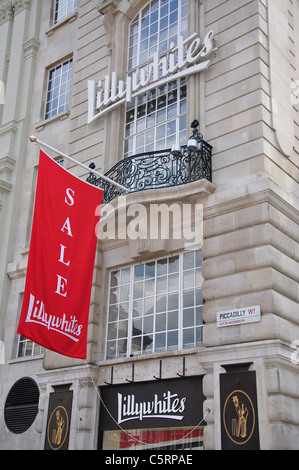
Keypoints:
pixel 34 139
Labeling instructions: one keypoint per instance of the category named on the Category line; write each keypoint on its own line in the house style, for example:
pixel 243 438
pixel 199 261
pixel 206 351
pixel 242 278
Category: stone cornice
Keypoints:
pixel 9 8
pixel 105 6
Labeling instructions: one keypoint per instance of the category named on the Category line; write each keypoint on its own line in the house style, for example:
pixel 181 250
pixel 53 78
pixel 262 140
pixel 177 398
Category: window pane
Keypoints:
pixel 122 347
pixel 162 284
pixel 125 276
pixel 161 322
pixel 174 264
pixel 188 317
pixel 150 270
pixel 198 315
pixel 148 325
pixel 148 343
pixel 149 287
pixel 124 293
pixel 149 305
pixel 173 301
pixel 113 313
pixel 198 336
pixel 172 320
pixel 188 298
pixel 188 338
pixel 160 342
pixel 173 282
pixel 162 266
pixel 123 329
pixel 114 297
pixel 198 297
pixel 124 310
pixel 188 260
pixel 136 345
pixel 138 290
pixel 172 340
pixel 139 272
pixel 188 279
pixel 111 349
pixel 137 326
pixel 198 258
pixel 161 303
pixel 137 308
pixel 112 331
pixel 114 279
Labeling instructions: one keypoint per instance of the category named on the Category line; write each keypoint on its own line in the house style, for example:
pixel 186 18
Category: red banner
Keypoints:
pixel 61 261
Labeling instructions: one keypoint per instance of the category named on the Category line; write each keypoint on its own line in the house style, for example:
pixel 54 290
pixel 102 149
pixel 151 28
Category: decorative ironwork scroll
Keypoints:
pixel 159 169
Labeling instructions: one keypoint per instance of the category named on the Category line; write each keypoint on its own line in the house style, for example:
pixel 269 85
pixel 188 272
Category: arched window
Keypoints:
pixel 156 119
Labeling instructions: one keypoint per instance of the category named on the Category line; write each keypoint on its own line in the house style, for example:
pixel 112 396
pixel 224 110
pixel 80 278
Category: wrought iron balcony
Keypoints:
pixel 159 169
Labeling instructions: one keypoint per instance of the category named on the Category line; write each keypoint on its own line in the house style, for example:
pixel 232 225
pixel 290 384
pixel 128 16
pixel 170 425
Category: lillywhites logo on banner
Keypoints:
pixel 189 56
pixel 169 407
pixel 66 326
pixel 61 260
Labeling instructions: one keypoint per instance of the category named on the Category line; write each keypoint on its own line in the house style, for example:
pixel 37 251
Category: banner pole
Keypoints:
pixel 34 139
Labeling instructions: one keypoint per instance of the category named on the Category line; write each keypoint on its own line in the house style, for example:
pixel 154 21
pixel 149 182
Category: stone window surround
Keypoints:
pixel 69 19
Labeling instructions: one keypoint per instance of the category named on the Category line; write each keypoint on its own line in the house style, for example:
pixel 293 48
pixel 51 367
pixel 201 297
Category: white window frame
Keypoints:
pixel 27 348
pixel 126 290
pixel 58 88
pixel 63 9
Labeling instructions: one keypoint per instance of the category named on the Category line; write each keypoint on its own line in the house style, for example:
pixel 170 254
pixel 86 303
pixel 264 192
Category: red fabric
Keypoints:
pixel 155 436
pixel 56 301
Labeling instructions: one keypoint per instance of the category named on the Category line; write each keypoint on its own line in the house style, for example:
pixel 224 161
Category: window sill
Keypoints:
pixel 68 19
pixel 58 117
pixel 38 357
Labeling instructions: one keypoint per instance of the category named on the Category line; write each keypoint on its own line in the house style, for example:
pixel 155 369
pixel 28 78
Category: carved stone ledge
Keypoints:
pixel 105 6
pixel 108 9
pixel 9 8
pixel 31 48
pixel 7 165
pixel 19 5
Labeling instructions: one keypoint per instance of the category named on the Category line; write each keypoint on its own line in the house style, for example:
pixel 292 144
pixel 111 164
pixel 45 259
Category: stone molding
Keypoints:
pixel 9 8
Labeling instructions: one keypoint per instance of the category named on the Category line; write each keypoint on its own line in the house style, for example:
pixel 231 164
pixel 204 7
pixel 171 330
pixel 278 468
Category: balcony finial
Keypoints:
pixel 195 140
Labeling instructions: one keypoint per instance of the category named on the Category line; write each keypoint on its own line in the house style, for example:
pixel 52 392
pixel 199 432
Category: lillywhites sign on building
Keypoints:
pixel 189 56
pixel 238 316
pixel 163 403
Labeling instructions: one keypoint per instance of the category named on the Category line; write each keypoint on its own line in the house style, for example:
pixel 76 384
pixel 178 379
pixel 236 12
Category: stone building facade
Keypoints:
pixel 200 329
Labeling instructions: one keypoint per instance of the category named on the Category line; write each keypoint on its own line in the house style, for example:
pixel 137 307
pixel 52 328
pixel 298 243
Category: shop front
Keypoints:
pixel 160 415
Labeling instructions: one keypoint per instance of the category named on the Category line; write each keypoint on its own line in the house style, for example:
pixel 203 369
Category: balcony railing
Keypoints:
pixel 159 169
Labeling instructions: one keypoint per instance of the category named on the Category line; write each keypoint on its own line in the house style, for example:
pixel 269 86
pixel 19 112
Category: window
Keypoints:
pixel 59 84
pixel 26 347
pixel 155 306
pixel 63 8
pixel 156 119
